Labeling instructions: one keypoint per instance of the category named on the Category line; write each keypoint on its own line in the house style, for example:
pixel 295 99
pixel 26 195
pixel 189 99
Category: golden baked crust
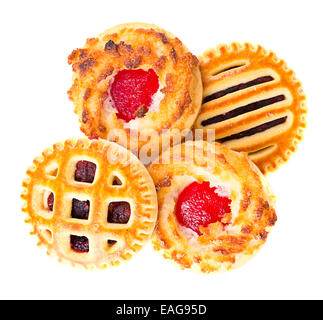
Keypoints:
pixel 252 102
pixel 53 172
pixel 135 46
pixel 219 247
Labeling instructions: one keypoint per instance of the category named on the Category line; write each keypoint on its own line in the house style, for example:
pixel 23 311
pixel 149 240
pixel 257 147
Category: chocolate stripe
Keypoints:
pixel 238 87
pixel 252 131
pixel 241 110
pixel 227 69
pixel 260 150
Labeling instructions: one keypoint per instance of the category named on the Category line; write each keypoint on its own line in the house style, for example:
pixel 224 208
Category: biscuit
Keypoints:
pixel 90 203
pixel 215 207
pixel 135 81
pixel 252 102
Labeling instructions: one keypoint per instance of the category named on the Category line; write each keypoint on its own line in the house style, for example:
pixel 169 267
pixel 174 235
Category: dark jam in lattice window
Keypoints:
pixel 50 201
pixel 85 171
pixel 116 181
pixel 111 242
pixel 80 243
pixel 119 212
pixel 80 209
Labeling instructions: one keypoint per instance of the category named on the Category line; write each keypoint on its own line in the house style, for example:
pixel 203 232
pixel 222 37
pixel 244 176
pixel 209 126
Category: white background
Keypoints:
pixel 36 38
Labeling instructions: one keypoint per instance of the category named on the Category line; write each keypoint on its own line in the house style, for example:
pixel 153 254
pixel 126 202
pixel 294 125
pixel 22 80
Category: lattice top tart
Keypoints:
pixel 252 102
pixel 137 78
pixel 215 206
pixel 91 203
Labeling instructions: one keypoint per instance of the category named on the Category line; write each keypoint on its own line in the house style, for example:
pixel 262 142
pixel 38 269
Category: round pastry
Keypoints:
pixel 91 203
pixel 215 207
pixel 135 80
pixel 252 102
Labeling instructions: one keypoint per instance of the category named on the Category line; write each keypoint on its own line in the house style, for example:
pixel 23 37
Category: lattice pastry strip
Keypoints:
pixel 252 102
pixel 90 203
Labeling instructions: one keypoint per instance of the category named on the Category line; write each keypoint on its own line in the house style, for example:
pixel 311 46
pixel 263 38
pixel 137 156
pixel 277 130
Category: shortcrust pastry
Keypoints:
pixel 139 79
pixel 215 206
pixel 252 102
pixel 91 203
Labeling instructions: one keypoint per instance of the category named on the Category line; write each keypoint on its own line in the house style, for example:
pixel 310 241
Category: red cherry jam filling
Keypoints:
pixel 132 91
pixel 79 244
pixel 85 171
pixel 199 205
pixel 50 201
pixel 80 209
pixel 119 212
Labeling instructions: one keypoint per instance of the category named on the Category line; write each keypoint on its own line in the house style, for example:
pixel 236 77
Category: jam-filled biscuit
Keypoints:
pixel 251 102
pixel 137 78
pixel 91 203
pixel 215 207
